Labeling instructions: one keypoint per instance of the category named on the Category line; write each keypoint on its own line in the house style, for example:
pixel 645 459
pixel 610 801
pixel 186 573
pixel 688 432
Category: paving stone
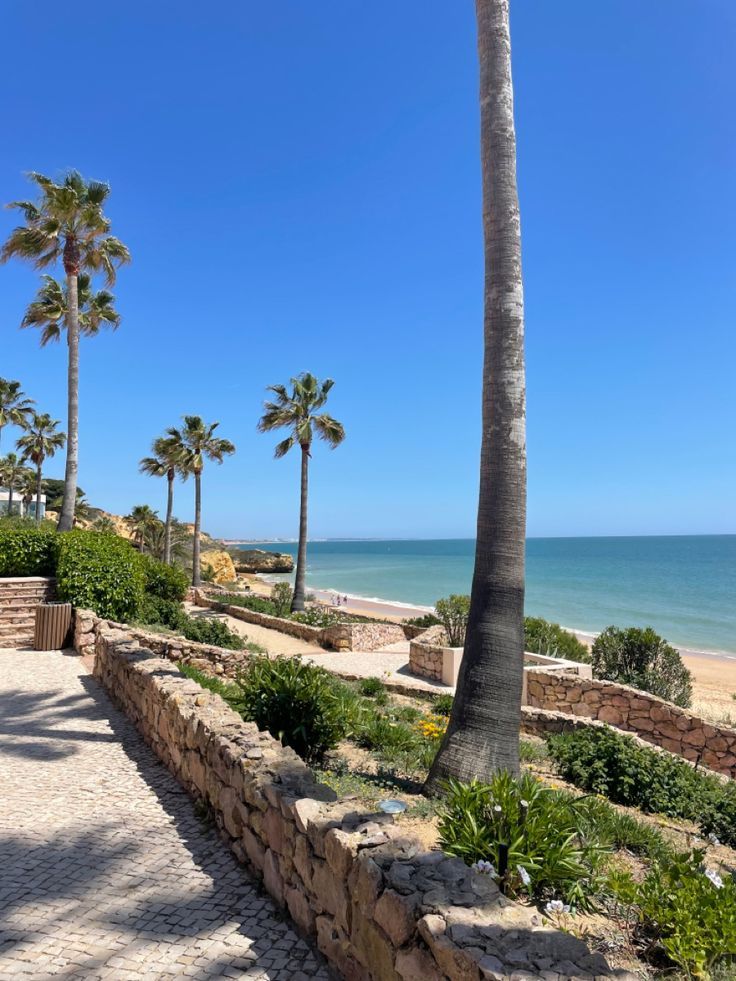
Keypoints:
pixel 107 873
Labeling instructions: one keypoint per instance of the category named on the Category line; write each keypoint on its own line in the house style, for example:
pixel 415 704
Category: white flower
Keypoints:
pixel 524 803
pixel 714 878
pixel 484 868
pixel 555 906
pixel 524 875
pixel 497 808
pixel 713 839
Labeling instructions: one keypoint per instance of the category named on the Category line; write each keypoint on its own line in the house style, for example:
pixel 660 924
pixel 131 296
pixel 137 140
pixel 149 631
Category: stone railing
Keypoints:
pixel 378 904
pixel 206 657
pixel 654 720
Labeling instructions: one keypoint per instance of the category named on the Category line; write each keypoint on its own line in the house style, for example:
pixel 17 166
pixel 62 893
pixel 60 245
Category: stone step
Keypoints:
pixel 7 618
pixel 25 627
pixel 19 641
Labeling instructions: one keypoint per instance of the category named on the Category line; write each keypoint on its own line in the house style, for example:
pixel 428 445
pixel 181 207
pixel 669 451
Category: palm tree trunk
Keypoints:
pixel 196 575
pixel 483 731
pixel 169 512
pixel 38 492
pixel 66 516
pixel 10 498
pixel 297 603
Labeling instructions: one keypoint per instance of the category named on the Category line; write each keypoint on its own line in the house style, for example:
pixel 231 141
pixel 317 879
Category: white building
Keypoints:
pixel 25 510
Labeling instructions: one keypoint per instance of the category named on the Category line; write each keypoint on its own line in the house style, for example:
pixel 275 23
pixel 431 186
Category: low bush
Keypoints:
pixel 298 703
pixel 99 572
pixel 442 704
pixel 26 550
pixel 428 620
pixel 281 596
pixel 372 688
pixel 642 659
pixel 168 582
pixel 606 762
pixel 550 639
pixel 155 611
pixel 453 615
pixel 208 630
pixel 686 910
pixel 226 690
pixel 533 837
pixel 258 604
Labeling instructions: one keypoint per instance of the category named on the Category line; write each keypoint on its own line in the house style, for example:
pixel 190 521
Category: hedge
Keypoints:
pixel 100 572
pixel 27 551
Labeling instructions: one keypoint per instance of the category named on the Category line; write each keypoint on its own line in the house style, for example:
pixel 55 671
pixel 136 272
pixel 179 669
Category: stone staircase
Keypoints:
pixel 18 601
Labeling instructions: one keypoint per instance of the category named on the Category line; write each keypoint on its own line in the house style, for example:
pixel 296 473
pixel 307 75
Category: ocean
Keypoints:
pixel 683 586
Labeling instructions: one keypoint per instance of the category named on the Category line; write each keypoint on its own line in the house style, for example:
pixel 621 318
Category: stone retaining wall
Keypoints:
pixel 426 660
pixel 210 659
pixel 362 636
pixel 301 630
pixel 654 720
pixel 380 907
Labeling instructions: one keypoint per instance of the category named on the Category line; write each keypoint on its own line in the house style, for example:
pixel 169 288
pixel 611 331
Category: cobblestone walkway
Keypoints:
pixel 105 870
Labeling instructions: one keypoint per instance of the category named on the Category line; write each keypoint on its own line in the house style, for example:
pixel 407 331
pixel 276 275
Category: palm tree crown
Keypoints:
pixel 141 520
pixel 50 308
pixel 67 223
pixel 195 442
pixel 41 438
pixel 297 411
pixel 165 462
pixel 12 475
pixel 15 407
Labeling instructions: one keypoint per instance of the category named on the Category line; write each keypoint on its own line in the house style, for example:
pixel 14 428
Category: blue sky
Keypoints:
pixel 299 186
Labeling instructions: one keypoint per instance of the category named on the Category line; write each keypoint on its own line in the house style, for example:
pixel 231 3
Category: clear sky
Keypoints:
pixel 299 186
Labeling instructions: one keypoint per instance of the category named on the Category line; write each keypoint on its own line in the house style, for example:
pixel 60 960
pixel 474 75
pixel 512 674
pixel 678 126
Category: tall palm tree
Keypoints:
pixel 298 411
pixel 15 407
pixel 12 472
pixel 40 441
pixel 196 442
pixel 67 224
pixel 164 462
pixel 49 311
pixel 27 490
pixel 140 520
pixel 483 731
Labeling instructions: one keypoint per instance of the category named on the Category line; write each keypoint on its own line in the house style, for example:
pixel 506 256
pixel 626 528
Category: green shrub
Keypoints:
pixel 442 704
pixel 226 690
pixel 428 620
pixel 533 837
pixel 550 639
pixel 315 616
pixel 26 550
pixel 208 630
pixel 373 688
pixel 258 604
pixel 298 703
pixel 687 910
pixel 99 572
pixel 606 762
pixel 281 596
pixel 641 658
pixel 168 582
pixel 155 611
pixel 453 615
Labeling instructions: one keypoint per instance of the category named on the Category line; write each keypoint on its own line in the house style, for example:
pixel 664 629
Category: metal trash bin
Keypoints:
pixel 52 627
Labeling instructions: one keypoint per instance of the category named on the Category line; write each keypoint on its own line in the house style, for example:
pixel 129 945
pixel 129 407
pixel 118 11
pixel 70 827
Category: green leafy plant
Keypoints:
pixel 641 658
pixel 428 620
pixel 208 630
pixel 168 582
pixel 610 763
pixel 373 688
pixel 281 596
pixel 226 690
pixel 533 837
pixel 298 703
pixel 686 910
pixel 155 611
pixel 543 637
pixel 26 549
pixel 99 572
pixel 453 615
pixel 442 704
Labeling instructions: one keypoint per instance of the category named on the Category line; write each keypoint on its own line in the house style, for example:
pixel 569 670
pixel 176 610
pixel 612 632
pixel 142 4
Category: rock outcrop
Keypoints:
pixel 258 560
pixel 220 564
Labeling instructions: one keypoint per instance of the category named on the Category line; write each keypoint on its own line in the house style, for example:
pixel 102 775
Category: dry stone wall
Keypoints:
pixel 654 720
pixel 362 636
pixel 301 630
pixel 210 659
pixel 380 907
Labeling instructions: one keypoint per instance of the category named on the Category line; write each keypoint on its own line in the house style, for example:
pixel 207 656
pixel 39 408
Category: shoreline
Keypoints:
pixel 382 609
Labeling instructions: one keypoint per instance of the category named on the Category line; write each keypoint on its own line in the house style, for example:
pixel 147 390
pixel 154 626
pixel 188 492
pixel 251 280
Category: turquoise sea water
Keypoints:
pixel 684 586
